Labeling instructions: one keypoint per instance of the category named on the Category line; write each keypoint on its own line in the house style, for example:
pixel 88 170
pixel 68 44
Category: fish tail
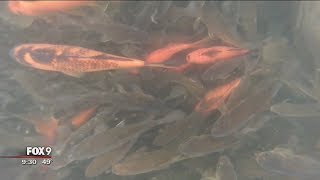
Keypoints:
pixel 159 66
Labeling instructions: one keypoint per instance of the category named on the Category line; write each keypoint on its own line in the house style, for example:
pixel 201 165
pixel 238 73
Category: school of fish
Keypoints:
pixel 134 97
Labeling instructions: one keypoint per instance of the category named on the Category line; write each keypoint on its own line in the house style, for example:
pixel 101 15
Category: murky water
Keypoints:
pixel 159 90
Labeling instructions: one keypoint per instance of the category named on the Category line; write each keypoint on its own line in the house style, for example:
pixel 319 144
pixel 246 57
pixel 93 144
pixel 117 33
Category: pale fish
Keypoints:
pixel 113 138
pixel 223 171
pixel 286 162
pixel 144 162
pixel 174 131
pixel 104 162
pixel 83 131
pixel 296 110
pixel 205 144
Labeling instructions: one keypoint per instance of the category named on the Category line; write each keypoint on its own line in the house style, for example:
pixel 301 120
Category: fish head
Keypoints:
pixel 34 55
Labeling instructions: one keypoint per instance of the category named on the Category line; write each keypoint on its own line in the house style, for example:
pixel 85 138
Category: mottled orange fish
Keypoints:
pixel 214 98
pixel 163 54
pixel 34 8
pixel 72 60
pixel 214 54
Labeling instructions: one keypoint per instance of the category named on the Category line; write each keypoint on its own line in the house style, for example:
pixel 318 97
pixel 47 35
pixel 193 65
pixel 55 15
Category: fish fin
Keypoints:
pixel 134 71
pixel 73 74
pixel 202 42
pixel 223 109
pixel 196 24
pixel 104 38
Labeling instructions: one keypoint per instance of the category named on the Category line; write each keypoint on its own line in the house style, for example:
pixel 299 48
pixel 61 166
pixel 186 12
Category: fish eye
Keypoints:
pixel 43 55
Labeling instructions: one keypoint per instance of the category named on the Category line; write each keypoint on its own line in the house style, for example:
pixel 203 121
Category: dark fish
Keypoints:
pixel 102 24
pixel 218 26
pixel 173 131
pixel 256 123
pixel 194 10
pixel 120 33
pixel 161 10
pixel 194 87
pixel 221 70
pixel 144 162
pixel 143 18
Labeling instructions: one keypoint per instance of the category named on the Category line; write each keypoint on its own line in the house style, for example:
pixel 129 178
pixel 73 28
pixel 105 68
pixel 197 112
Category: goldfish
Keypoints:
pixel 82 117
pixel 35 8
pixel 214 54
pixel 163 54
pixel 48 129
pixel 72 60
pixel 214 98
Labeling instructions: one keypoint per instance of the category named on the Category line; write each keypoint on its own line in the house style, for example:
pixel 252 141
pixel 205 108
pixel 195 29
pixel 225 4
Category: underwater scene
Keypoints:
pixel 159 90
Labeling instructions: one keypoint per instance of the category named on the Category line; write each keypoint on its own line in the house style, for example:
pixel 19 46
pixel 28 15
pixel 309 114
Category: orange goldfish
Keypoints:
pixel 82 117
pixel 34 8
pixel 214 98
pixel 163 54
pixel 72 60
pixel 48 129
pixel 213 54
